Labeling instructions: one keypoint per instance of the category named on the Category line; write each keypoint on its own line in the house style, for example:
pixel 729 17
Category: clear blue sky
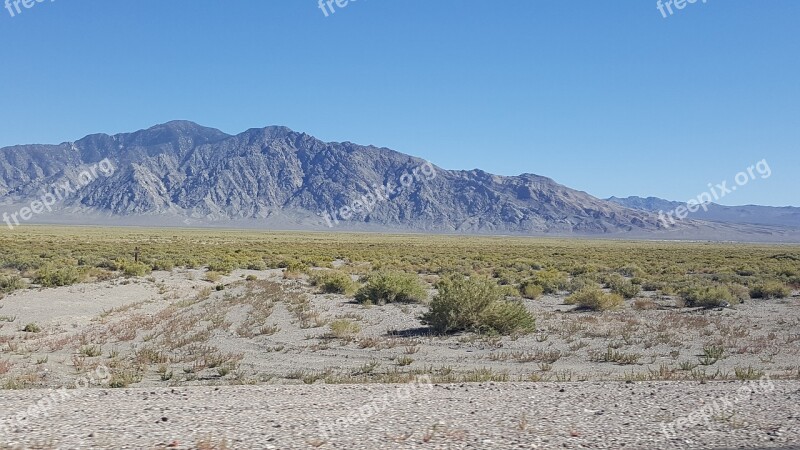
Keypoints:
pixel 603 96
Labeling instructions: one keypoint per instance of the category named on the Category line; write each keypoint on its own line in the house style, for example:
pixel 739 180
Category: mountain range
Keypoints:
pixel 785 216
pixel 183 174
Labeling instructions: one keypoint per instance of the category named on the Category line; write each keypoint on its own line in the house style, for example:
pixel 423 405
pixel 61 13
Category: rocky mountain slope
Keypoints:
pixel 181 173
pixel 185 171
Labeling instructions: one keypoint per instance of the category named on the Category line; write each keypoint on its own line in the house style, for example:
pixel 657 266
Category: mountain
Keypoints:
pixel 181 173
pixel 786 216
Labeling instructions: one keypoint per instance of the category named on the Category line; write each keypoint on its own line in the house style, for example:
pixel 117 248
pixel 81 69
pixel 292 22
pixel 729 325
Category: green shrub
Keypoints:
pixel 551 281
pixel 505 276
pixel 391 287
pixel 333 282
pixel 163 264
pixel 770 289
pixel 619 285
pixel 9 283
pixel 631 271
pixel 224 267
pixel 594 299
pixel 652 286
pixel 256 265
pixel 582 282
pixel 475 304
pixel 508 290
pixel 48 276
pixel 344 329
pixel 740 293
pixel 530 290
pixel 706 296
pixel 135 269
pixel 32 328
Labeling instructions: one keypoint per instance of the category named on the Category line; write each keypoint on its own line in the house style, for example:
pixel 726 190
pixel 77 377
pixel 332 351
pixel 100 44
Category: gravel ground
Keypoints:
pixel 758 414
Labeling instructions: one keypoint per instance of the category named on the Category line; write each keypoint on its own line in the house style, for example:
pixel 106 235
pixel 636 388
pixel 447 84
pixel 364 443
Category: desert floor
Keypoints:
pixel 170 360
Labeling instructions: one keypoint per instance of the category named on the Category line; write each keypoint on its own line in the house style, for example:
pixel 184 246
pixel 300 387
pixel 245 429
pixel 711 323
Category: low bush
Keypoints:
pixel 530 290
pixel 551 281
pixel 620 285
pixel 333 282
pixel 740 293
pixel 32 328
pixel 9 283
pixel 770 289
pixel 476 304
pixel 652 286
pixel 212 277
pixel 582 282
pixel 706 296
pixel 49 276
pixel 595 299
pixel 163 264
pixel 135 269
pixel 225 266
pixel 631 271
pixel 256 265
pixel 344 329
pixel 391 287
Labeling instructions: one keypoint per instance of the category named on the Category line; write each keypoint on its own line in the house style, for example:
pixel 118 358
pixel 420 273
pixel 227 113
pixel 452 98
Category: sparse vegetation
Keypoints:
pixel 344 329
pixel 621 286
pixel 594 299
pixel 478 284
pixel 333 282
pixel 475 304
pixel 32 328
pixel 530 290
pixel 770 289
pixel 706 296
pixel 391 287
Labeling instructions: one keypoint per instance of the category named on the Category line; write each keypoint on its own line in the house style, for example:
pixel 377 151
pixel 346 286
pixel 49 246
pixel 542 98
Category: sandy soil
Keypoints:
pixel 172 341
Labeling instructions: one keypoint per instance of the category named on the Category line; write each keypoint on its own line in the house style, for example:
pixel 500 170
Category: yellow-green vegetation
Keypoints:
pixel 391 287
pixel 595 299
pixel 32 328
pixel 551 280
pixel 333 282
pixel 530 290
pixel 344 329
pixel 9 283
pixel 707 296
pixel 476 304
pixel 621 285
pixel 55 256
pixel 770 289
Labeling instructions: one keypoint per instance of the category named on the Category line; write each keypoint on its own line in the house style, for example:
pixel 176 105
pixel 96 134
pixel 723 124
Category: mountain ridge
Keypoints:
pixel 198 175
pixel 779 216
